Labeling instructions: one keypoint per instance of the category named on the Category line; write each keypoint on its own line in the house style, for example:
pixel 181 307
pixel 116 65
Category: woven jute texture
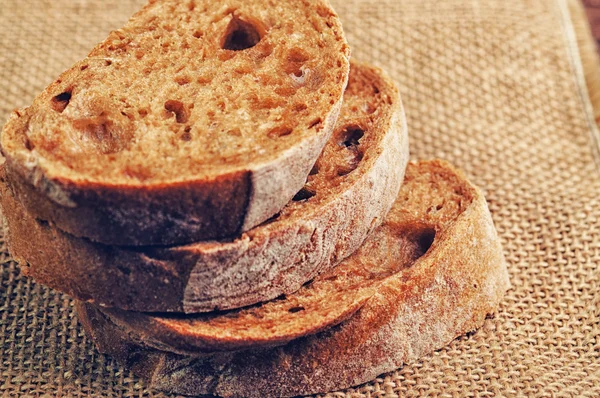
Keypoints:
pixel 494 86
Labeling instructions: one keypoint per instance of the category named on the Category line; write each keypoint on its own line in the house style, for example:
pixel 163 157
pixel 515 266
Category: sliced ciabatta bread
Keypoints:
pixel 418 304
pixel 198 119
pixel 349 192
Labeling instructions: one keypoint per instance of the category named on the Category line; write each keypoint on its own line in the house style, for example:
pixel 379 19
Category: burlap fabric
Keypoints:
pixel 494 86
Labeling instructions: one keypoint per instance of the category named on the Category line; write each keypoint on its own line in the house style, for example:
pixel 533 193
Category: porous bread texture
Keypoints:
pixel 445 293
pixel 408 233
pixel 198 119
pixel 358 174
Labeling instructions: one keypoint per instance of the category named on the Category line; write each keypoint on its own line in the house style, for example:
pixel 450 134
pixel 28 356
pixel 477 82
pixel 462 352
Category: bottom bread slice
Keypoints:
pixel 447 292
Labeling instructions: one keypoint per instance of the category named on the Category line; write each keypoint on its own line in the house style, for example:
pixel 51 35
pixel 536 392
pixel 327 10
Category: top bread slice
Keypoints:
pixel 198 119
pixel 350 190
pixel 436 267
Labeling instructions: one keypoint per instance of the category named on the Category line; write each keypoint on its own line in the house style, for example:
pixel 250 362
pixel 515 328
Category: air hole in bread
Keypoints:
pixel 240 35
pixel 314 170
pixel 425 238
pixel 43 223
pixel 60 102
pixel 300 108
pixel 294 62
pixel 178 109
pixel 351 136
pixel 435 208
pixel 84 67
pixel 183 80
pixel 316 122
pixel 303 194
pixel 28 144
pixel 349 139
pixel 127 115
pixel 197 34
pixel 293 310
pixel 280 131
pixel 187 135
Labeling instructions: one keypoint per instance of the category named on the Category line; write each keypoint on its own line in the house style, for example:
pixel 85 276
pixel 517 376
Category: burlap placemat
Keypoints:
pixel 494 86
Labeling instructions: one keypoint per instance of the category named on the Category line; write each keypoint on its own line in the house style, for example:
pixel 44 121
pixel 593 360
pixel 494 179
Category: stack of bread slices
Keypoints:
pixel 229 199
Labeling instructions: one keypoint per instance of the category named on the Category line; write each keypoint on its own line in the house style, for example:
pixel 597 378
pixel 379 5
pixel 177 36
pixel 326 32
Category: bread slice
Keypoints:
pixel 418 305
pixel 359 174
pixel 198 119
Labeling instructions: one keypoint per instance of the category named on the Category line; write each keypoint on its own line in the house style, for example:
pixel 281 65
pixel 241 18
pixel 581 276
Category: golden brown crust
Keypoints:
pixel 446 293
pixel 311 234
pixel 220 139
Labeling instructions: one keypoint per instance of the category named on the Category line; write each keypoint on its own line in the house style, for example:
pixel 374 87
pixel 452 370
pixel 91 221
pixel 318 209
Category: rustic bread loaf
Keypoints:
pixel 198 119
pixel 418 304
pixel 349 192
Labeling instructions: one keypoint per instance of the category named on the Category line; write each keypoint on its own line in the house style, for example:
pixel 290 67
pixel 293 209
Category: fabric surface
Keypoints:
pixel 494 86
